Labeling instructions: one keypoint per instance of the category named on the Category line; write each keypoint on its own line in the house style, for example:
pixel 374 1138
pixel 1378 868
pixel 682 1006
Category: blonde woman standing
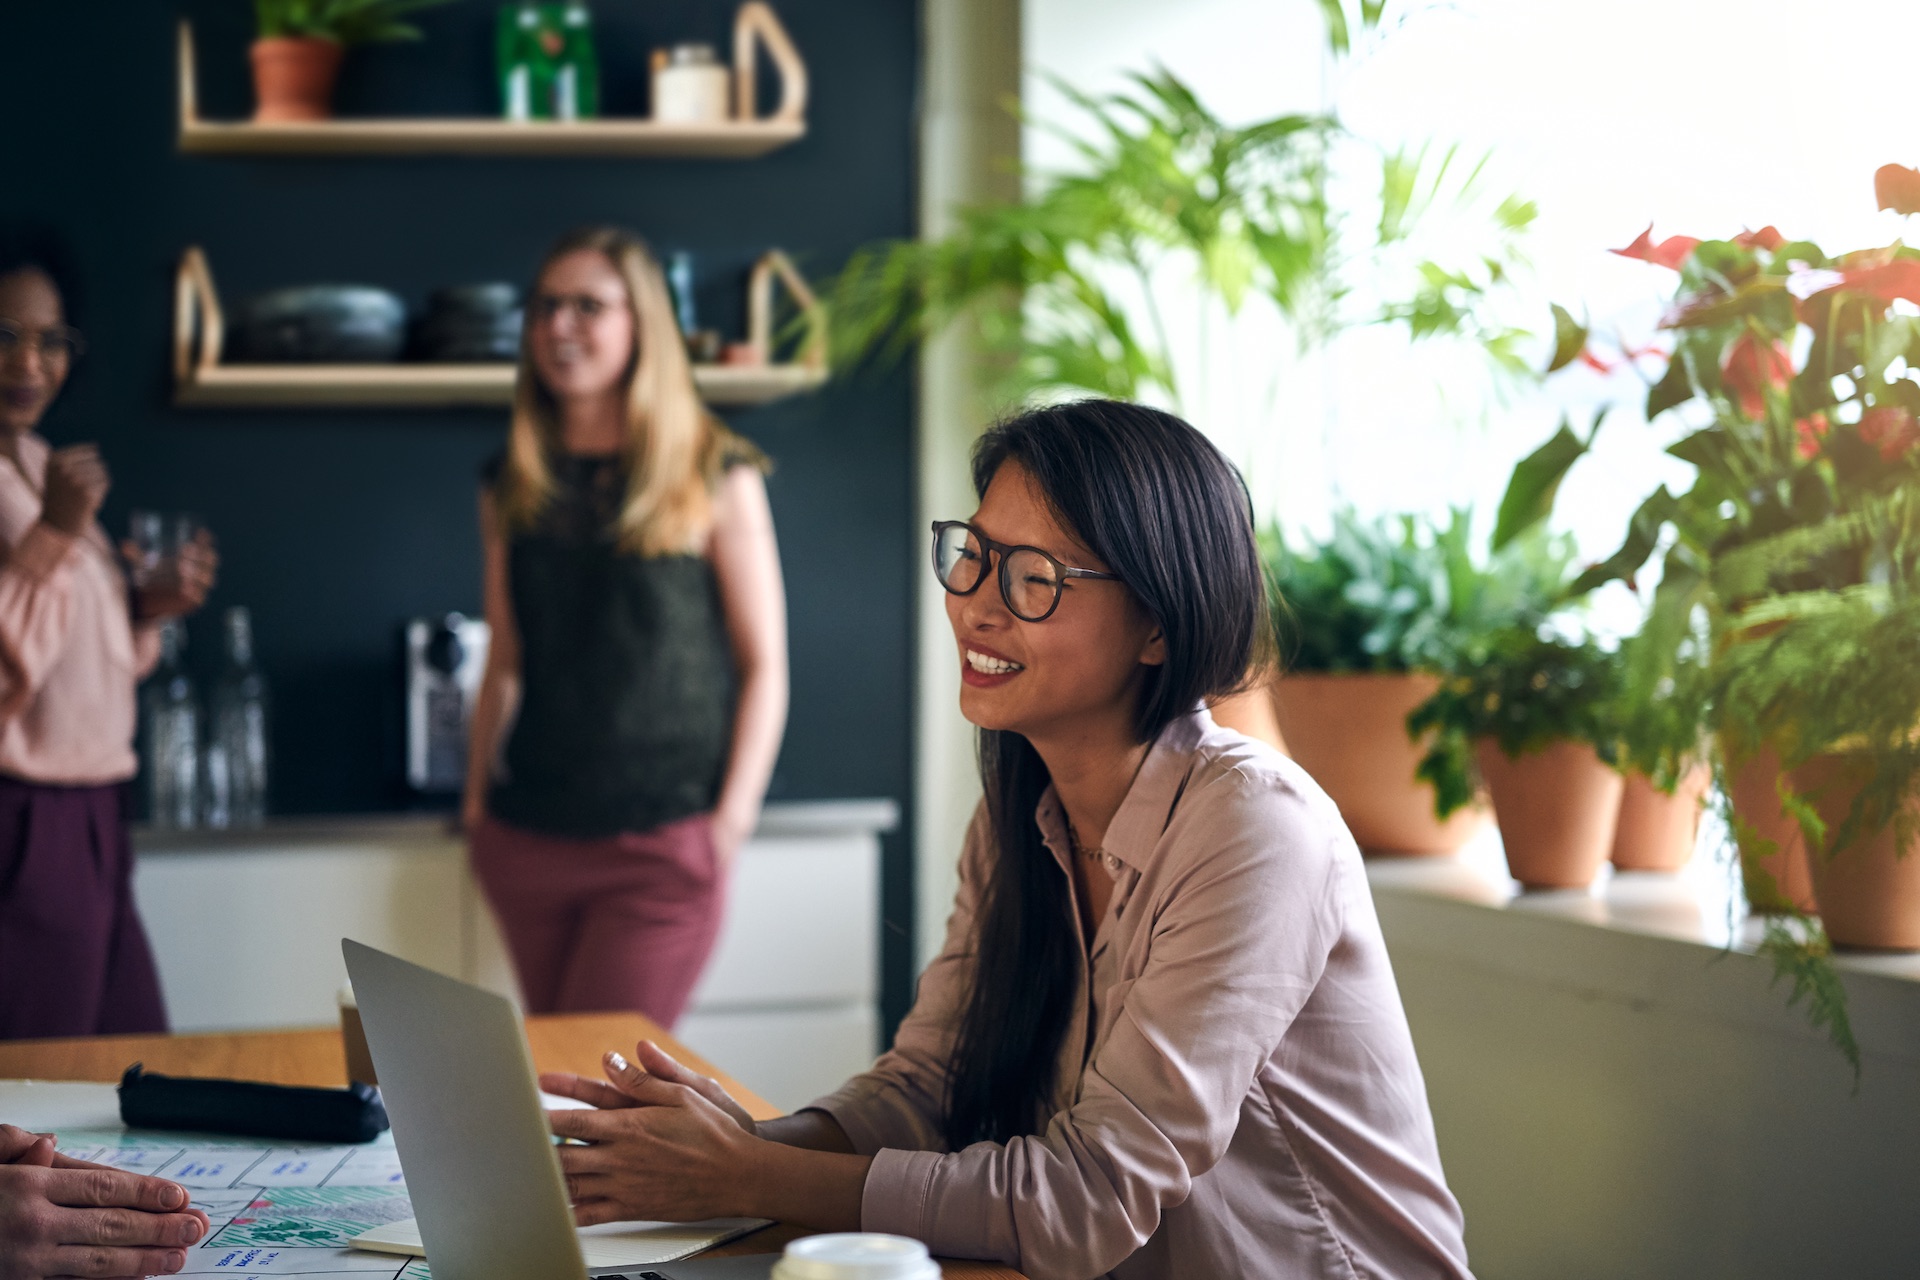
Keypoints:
pixel 638 647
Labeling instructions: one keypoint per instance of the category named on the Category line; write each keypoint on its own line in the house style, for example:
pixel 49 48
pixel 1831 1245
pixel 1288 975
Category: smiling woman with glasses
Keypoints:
pixel 1162 1040
pixel 75 638
pixel 636 681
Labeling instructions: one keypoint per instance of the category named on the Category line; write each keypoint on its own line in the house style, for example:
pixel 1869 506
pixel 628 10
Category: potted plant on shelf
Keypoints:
pixel 296 55
pixel 1793 371
pixel 1369 619
pixel 1659 719
pixel 1529 713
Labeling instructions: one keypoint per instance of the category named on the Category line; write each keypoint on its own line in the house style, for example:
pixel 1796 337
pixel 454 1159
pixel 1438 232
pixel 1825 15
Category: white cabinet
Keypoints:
pixel 246 927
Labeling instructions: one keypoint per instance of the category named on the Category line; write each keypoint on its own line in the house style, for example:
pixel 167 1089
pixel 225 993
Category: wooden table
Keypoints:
pixel 566 1042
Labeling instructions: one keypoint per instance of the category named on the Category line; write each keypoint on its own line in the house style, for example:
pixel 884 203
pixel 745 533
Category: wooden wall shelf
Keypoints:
pixel 741 138
pixel 202 381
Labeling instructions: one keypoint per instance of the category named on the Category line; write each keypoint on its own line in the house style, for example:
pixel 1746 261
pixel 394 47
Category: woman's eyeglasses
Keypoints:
pixel 59 344
pixel 549 305
pixel 1030 579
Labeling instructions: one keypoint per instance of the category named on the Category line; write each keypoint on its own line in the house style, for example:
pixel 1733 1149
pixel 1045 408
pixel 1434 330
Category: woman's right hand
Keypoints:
pixel 76 485
pixel 62 1217
pixel 473 809
pixel 624 1086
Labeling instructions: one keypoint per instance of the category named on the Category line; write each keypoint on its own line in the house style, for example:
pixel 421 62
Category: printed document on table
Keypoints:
pixel 274 1209
pixel 280 1209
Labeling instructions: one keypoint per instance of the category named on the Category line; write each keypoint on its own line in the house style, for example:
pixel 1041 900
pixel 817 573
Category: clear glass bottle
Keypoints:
pixel 237 758
pixel 170 708
pixel 576 75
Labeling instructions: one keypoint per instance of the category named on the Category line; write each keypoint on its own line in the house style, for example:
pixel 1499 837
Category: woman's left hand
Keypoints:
pixel 666 1153
pixel 180 584
pixel 730 831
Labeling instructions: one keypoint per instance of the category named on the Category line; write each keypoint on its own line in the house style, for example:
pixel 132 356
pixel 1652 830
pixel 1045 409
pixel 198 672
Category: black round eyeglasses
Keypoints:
pixel 1030 580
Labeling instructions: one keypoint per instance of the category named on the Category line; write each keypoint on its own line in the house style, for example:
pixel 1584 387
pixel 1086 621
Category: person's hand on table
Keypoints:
pixel 66 1217
pixel 663 1143
pixel 179 584
pixel 623 1087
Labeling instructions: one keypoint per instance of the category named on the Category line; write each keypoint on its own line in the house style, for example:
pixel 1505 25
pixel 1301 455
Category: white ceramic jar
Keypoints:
pixel 862 1255
pixel 690 86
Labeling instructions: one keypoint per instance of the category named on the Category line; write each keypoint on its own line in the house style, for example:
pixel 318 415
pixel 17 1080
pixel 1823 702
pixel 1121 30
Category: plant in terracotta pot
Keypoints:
pixel 1369 618
pixel 296 56
pixel 1660 718
pixel 1529 713
pixel 1793 374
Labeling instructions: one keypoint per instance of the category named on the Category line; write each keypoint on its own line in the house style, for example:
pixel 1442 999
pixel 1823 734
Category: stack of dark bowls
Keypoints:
pixel 475 323
pixel 318 324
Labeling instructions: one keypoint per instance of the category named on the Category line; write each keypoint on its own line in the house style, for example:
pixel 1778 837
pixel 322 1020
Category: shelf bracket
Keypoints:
pixel 756 27
pixel 775 265
pixel 199 329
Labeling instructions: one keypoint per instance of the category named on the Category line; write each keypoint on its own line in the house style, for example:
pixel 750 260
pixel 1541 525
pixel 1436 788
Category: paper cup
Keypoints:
pixel 353 1037
pixel 861 1255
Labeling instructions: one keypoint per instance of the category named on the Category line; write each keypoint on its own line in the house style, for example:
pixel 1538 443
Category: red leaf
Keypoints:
pixel 1899 278
pixel 1669 253
pixel 1751 369
pixel 1897 187
pixel 1890 429
pixel 1768 238
pixel 1808 433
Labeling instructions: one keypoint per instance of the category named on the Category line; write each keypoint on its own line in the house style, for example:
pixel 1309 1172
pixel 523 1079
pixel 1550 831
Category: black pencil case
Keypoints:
pixel 152 1101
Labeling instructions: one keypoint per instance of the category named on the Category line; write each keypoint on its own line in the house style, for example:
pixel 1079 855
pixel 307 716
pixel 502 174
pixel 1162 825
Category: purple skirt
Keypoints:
pixel 74 960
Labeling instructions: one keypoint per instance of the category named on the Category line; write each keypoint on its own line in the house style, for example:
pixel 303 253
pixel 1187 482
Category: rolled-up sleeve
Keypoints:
pixel 1237 946
pixel 901 1101
pixel 36 612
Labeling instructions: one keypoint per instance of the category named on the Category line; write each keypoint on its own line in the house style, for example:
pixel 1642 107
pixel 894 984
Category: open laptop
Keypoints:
pixel 488 1197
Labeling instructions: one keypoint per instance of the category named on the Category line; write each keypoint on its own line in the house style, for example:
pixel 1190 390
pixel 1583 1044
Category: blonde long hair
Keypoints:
pixel 674 449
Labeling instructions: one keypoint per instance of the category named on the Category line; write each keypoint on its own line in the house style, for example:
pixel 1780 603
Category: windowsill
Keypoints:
pixel 1695 904
pixel 1651 941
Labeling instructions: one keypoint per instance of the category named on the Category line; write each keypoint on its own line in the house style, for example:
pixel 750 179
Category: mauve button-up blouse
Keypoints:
pixel 1248 1103
pixel 70 655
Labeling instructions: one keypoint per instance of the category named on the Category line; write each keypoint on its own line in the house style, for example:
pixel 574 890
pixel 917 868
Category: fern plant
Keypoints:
pixel 1064 287
pixel 1403 593
pixel 1523 689
pixel 345 22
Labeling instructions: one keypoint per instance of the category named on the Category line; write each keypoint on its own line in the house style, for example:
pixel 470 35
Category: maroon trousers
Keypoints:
pixel 625 922
pixel 74 960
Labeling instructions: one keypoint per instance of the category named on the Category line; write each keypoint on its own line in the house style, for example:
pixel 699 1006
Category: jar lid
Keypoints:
pixel 861 1255
pixel 682 55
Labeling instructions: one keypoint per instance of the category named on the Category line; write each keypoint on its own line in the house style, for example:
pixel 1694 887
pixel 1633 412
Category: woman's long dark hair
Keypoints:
pixel 1159 505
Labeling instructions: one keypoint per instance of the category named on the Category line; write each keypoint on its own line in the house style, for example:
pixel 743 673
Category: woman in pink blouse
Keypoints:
pixel 1163 1039
pixel 74 641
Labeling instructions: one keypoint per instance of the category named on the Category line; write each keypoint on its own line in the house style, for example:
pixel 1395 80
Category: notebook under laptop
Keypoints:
pixel 488 1198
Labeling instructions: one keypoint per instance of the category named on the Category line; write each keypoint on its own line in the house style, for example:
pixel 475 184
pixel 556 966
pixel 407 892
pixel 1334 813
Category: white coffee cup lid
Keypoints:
pixel 862 1255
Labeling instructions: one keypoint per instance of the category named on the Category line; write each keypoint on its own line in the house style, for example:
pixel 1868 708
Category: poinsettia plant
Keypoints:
pixel 1798 373
pixel 1795 377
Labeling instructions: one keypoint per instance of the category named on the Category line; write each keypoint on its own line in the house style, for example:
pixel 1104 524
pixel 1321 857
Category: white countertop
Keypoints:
pixel 783 819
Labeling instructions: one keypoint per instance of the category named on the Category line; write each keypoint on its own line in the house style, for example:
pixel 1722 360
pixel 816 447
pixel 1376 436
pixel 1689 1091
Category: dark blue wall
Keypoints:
pixel 337 525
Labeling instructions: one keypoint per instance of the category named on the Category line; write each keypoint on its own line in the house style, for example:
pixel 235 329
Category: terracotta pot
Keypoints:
pixel 1656 831
pixel 1774 866
pixel 1350 732
pixel 1556 807
pixel 293 78
pixel 1869 894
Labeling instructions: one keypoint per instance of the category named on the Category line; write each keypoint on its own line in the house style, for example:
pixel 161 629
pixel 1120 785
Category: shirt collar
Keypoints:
pixel 1148 806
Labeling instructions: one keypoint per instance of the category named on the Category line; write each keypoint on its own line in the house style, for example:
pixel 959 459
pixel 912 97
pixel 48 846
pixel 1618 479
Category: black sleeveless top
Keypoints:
pixel 626 674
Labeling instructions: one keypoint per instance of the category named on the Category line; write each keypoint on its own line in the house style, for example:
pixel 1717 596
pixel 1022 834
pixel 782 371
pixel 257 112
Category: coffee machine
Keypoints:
pixel 444 659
